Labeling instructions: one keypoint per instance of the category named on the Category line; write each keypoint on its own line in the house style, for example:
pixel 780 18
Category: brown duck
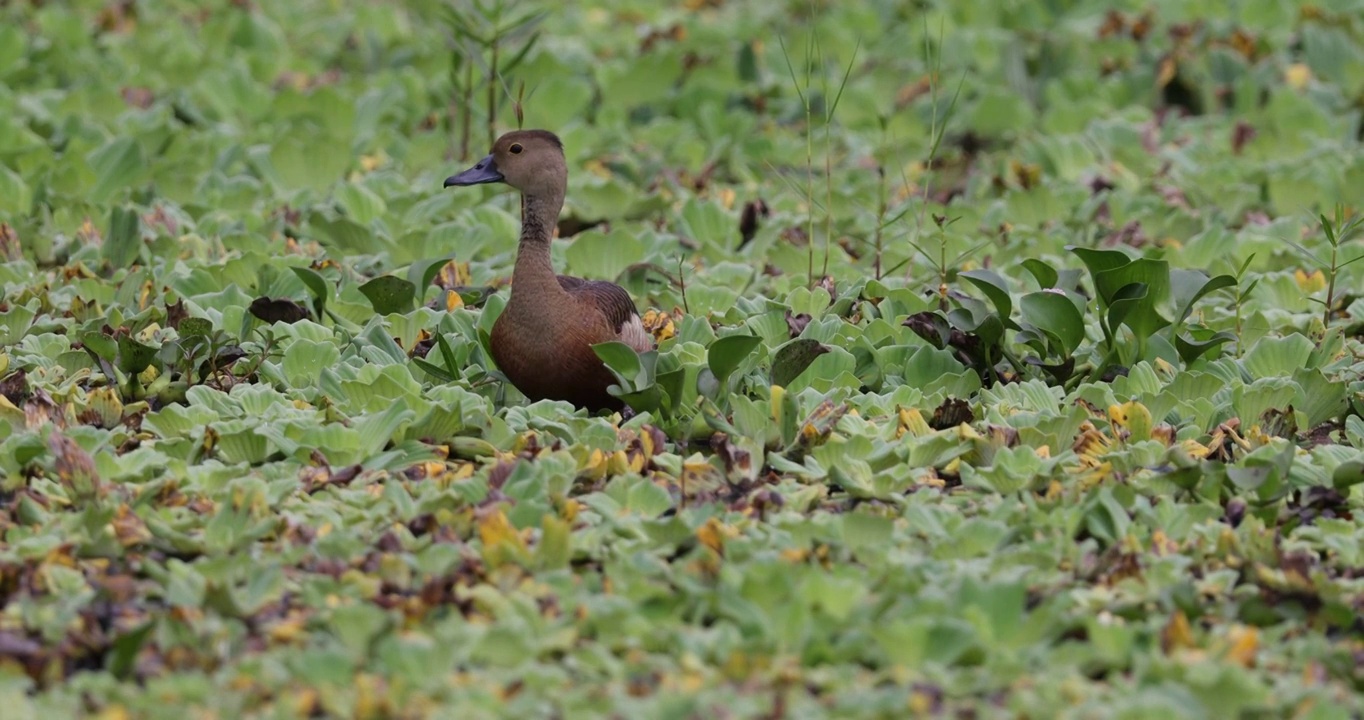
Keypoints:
pixel 543 340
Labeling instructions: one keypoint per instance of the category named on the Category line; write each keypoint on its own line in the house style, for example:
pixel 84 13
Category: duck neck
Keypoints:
pixel 533 277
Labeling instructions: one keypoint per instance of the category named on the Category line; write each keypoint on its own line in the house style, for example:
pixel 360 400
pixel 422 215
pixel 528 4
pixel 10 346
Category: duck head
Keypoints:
pixel 531 161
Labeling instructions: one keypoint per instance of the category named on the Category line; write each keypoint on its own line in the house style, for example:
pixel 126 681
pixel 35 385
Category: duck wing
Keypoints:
pixel 615 305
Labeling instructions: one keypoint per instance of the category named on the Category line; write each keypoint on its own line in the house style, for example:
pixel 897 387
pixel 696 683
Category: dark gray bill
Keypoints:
pixel 483 172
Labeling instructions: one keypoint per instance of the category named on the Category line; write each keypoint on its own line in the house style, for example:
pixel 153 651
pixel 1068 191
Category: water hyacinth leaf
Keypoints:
pixel 1044 274
pixel 672 383
pixel 317 287
pixel 726 354
pixel 1055 314
pixel 1348 474
pixel 930 326
pixel 792 358
pixel 1098 261
pixel 995 288
pixel 124 242
pixel 389 294
pixel 195 327
pixel 648 399
pixel 1190 349
pixel 133 356
pixel 1124 302
pixel 1190 286
pixel 102 346
pixel 117 165
pixel 621 359
pixel 125 647
pixel 422 272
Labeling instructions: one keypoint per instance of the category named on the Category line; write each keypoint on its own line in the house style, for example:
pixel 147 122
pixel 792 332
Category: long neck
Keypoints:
pixel 533 277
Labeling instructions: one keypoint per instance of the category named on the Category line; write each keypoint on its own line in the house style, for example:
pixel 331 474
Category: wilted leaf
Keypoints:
pixel 273 310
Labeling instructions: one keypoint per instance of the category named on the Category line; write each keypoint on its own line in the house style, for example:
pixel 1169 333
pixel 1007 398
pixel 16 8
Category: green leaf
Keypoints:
pixel 1143 317
pixel 117 164
pixel 308 162
pixel 1057 315
pixel 124 241
pixel 1045 274
pixel 725 355
pixel 389 294
pixel 15 322
pixel 673 383
pixel 792 358
pixel 133 356
pixel 1190 349
pixel 103 346
pixel 1202 286
pixel 1098 261
pixel 994 288
pixel 422 272
pixel 1277 356
pixel 195 327
pixel 619 357
pixel 15 195
pixel 360 203
pixel 435 371
pixel 316 284
pixel 122 656
pixel 1348 474
pixel 347 235
pixel 1124 302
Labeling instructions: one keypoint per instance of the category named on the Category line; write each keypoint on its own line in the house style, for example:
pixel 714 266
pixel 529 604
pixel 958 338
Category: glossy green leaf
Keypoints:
pixel 1056 314
pixel 389 294
pixel 725 355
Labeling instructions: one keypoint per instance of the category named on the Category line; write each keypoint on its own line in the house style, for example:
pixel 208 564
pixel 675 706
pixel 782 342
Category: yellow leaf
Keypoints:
pixel 595 466
pixel 1297 75
pixel 1310 283
pixel 114 712
pixel 911 420
pixel 304 702
pixel 370 163
pixel 1245 641
pixel 727 198
pixel 1091 444
pixel 1161 544
pixel 778 394
pixel 1133 417
pixel 1168 69
pixel 1177 634
pixel 598 168
pixel 495 530
pixel 713 534
pixel 658 324
pixel 618 463
pixel 289 629
pixel 555 548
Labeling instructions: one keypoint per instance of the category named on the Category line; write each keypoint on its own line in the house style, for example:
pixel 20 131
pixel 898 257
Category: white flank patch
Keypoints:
pixel 632 333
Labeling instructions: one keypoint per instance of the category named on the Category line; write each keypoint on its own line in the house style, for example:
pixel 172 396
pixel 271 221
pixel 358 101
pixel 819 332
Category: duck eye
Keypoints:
pixel 515 148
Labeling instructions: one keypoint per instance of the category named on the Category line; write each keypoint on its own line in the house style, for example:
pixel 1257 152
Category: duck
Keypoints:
pixel 542 342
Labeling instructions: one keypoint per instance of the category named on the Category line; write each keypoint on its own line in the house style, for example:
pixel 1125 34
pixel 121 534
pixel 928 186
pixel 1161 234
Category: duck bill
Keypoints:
pixel 485 171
